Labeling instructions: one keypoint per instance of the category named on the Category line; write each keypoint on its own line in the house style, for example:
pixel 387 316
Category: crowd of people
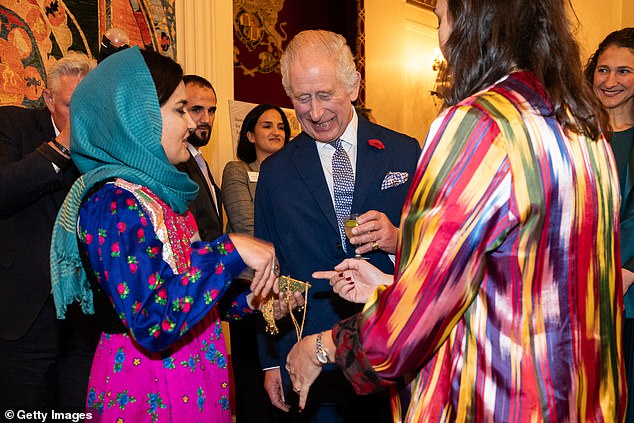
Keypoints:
pixel 485 277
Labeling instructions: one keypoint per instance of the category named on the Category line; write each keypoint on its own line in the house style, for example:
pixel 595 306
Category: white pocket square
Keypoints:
pixel 394 179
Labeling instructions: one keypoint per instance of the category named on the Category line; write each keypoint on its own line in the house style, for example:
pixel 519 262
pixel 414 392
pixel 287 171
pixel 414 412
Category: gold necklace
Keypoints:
pixel 299 330
pixel 287 285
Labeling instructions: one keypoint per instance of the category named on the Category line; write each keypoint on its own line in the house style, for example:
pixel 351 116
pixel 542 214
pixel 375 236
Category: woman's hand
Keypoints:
pixel 355 280
pixel 259 256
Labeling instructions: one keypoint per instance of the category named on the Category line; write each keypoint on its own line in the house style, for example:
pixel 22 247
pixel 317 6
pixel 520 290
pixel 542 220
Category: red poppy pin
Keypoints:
pixel 376 144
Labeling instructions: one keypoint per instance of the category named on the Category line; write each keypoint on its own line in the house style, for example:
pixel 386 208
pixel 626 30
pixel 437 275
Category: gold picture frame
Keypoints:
pixel 425 4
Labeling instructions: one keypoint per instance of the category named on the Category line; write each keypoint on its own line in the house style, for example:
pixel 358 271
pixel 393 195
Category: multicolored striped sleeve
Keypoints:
pixel 459 208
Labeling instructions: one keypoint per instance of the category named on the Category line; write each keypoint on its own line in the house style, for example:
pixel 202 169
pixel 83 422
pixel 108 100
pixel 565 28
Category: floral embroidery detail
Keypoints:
pixel 191 363
pixel 154 401
pixel 201 399
pixel 154 281
pixel 85 237
pixel 154 331
pixel 152 252
pixel 133 264
pixel 376 144
pixel 210 296
pixel 205 250
pixel 222 360
pixel 122 400
pixel 222 249
pixel 136 361
pixel 218 330
pixel 121 227
pixel 183 304
pixel 136 306
pixel 140 235
pixel 119 358
pixel 161 297
pixel 123 319
pixel 130 203
pixel 102 235
pixel 123 290
pixel 95 401
pixel 224 403
pixel 168 363
pixel 193 275
pixel 220 268
pixel 184 329
pixel 168 325
pixel 185 399
pixel 113 208
pixel 114 250
pixel 224 385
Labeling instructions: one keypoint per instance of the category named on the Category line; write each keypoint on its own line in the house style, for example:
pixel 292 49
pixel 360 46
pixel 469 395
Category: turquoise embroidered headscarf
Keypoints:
pixel 116 128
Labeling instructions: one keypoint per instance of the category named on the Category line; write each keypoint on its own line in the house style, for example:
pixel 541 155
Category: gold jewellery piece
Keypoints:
pixel 287 285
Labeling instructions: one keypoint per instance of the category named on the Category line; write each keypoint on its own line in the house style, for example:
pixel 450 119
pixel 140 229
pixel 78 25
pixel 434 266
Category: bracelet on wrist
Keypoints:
pixel 60 147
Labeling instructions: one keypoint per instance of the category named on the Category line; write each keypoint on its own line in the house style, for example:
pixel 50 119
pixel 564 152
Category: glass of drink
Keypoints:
pixel 348 224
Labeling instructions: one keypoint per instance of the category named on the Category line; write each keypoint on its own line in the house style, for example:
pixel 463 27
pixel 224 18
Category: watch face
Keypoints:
pixel 321 357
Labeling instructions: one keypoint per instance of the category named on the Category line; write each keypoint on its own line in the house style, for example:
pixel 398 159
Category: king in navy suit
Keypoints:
pixel 296 209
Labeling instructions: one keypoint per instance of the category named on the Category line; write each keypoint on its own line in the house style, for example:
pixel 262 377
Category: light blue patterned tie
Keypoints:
pixel 343 186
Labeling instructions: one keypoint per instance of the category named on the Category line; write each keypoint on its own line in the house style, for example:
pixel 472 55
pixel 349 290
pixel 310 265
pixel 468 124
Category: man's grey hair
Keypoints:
pixel 316 46
pixel 73 63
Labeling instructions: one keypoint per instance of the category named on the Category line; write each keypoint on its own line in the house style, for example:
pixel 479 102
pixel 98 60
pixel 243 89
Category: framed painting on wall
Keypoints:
pixel 426 4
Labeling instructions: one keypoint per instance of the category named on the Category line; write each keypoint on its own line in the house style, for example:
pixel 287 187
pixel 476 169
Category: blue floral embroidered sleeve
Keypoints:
pixel 155 303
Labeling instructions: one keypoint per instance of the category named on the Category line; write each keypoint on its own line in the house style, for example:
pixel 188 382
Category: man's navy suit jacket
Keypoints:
pixel 31 193
pixel 294 211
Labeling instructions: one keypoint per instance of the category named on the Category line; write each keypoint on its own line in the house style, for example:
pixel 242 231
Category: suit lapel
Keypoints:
pixel 308 165
pixel 193 165
pixel 368 168
pixel 44 127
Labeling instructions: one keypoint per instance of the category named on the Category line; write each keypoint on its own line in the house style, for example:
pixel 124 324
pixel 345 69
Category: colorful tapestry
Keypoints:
pixel 36 33
pixel 263 28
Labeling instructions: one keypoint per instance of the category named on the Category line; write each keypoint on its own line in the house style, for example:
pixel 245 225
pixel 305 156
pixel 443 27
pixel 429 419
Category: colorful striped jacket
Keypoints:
pixel 507 301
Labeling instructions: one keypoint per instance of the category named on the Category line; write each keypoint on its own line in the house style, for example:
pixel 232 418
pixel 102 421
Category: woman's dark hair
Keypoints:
pixel 621 38
pixel 246 149
pixel 166 74
pixel 491 38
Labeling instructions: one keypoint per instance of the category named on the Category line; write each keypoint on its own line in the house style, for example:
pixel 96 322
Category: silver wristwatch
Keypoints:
pixel 322 356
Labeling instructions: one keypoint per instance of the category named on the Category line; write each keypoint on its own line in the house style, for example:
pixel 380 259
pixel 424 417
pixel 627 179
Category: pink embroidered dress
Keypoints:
pixel 169 293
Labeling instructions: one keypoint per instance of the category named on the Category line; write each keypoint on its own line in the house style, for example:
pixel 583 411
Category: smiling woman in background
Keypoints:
pixel 610 70
pixel 265 130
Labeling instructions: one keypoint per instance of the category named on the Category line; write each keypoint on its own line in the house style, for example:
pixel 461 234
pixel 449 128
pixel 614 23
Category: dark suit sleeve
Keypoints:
pixel 25 177
pixel 267 348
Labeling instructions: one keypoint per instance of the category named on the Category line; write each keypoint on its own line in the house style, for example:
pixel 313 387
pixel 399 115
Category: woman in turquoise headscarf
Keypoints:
pixel 157 290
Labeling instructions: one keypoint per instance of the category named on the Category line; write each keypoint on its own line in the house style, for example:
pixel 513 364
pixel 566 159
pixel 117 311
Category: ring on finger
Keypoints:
pixel 276 269
pixel 375 246
pixel 297 389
